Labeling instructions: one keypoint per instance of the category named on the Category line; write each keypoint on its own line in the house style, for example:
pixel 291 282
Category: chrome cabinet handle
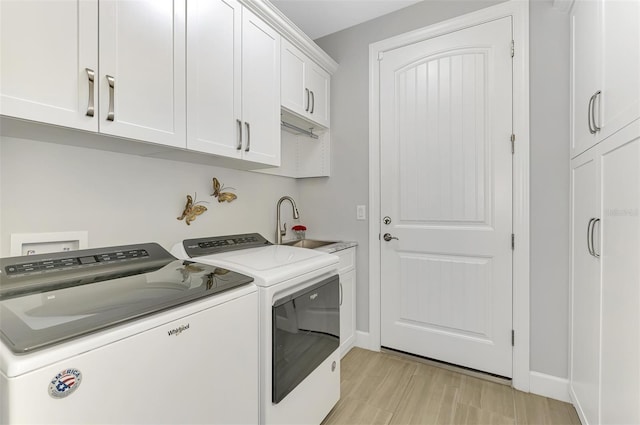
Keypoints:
pixel 387 237
pixel 590 114
pixel 248 137
pixel 593 112
pixel 593 230
pixel 239 145
pixel 589 237
pixel 112 86
pixel 313 102
pixel 307 108
pixel 340 293
pixel 91 77
pixel 591 227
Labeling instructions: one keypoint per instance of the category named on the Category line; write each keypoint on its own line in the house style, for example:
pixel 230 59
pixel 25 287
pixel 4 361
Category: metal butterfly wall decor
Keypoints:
pixel 192 210
pixel 222 196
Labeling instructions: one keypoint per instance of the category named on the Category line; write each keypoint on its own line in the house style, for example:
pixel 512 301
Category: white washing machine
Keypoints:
pixel 126 335
pixel 299 321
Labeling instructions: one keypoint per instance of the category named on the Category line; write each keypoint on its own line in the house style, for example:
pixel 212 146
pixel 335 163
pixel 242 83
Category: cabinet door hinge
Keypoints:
pixel 513 241
pixel 513 338
pixel 513 143
pixel 380 55
pixel 513 48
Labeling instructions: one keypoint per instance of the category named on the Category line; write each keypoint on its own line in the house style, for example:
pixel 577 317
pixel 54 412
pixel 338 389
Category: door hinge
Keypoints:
pixel 513 241
pixel 380 55
pixel 513 338
pixel 513 143
pixel 378 236
pixel 513 48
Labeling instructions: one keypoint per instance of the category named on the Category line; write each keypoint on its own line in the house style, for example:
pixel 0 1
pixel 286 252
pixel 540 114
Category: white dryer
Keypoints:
pixel 299 315
pixel 126 334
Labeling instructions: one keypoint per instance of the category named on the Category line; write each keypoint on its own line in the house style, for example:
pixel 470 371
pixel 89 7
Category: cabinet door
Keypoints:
pixel 621 61
pixel 142 70
pixel 46 48
pixel 214 36
pixel 620 170
pixel 586 39
pixel 318 84
pixel 347 311
pixel 294 94
pixel 585 285
pixel 260 90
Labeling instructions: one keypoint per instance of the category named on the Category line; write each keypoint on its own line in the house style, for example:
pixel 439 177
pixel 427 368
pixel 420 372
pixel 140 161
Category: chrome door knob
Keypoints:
pixel 387 237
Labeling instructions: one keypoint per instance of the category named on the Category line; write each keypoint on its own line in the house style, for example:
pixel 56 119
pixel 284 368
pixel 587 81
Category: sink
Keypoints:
pixel 308 243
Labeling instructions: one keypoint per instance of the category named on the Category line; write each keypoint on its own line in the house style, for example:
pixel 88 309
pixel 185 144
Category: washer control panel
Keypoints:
pixel 52 264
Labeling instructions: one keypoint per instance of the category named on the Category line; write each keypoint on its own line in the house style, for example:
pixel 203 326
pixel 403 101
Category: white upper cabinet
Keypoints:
pixel 50 67
pixel 293 92
pixel 233 84
pixel 318 83
pixel 142 70
pixel 193 77
pixel 260 90
pixel 214 77
pixel 585 72
pixel 305 86
pixel 620 104
pixel 605 64
pixel 49 54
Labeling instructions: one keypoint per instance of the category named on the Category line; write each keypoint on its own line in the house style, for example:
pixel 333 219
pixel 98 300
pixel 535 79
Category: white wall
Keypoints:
pixel 121 199
pixel 550 201
pixel 348 186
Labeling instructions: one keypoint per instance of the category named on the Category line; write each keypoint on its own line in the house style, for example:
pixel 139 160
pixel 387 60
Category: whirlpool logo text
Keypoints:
pixel 177 331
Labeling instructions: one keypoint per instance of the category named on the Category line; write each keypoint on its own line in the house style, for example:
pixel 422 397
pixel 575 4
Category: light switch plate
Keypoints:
pixel 44 243
pixel 361 212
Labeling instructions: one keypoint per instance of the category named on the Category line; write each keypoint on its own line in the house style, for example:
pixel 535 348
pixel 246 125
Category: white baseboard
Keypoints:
pixel 363 340
pixel 549 386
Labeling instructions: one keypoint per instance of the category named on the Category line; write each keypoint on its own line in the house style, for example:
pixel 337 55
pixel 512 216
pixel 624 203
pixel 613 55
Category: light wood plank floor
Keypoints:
pixel 380 388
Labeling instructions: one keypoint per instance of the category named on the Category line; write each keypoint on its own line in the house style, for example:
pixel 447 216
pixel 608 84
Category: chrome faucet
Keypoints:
pixel 282 230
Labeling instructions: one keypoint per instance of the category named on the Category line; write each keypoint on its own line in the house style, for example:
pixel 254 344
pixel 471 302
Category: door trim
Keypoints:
pixel 519 11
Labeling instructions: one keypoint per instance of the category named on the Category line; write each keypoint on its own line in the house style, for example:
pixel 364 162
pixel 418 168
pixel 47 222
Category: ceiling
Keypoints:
pixel 318 18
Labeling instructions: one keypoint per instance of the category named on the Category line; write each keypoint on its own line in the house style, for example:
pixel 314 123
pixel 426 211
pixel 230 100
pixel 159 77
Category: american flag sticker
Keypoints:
pixel 65 383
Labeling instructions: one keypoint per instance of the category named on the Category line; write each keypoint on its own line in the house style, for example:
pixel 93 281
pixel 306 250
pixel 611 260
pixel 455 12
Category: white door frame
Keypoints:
pixel 519 11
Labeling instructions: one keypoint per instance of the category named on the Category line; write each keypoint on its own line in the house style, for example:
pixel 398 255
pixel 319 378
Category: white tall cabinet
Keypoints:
pixel 605 184
pixel 585 342
pixel 605 319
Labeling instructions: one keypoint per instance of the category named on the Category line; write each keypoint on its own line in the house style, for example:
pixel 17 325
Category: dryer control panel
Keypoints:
pixel 216 244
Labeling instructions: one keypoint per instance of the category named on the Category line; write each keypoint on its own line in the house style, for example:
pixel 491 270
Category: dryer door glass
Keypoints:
pixel 306 330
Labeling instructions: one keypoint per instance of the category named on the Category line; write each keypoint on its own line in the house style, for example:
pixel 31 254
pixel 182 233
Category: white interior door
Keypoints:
pixel 446 185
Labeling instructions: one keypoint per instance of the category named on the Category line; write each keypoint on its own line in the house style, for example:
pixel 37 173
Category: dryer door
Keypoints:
pixel 306 330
